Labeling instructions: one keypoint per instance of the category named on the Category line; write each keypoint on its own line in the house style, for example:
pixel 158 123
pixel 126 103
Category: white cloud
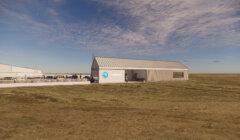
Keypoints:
pixel 161 26
pixel 169 23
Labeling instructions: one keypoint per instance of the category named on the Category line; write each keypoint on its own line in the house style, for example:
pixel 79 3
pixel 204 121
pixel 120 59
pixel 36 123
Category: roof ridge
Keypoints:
pixel 137 63
pixel 138 59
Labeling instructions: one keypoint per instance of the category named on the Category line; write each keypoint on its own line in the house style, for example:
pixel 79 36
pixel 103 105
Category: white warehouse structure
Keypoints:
pixel 119 70
pixel 9 71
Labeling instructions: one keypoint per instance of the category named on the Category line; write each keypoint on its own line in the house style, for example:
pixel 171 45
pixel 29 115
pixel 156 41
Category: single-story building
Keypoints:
pixel 9 71
pixel 119 70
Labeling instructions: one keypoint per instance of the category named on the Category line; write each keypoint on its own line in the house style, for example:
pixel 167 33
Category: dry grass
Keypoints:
pixel 207 107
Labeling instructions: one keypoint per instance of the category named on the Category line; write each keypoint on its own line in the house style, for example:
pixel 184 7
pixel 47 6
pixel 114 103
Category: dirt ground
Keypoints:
pixel 207 107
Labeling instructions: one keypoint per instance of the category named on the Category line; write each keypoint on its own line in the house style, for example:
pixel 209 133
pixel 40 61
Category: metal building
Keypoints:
pixel 9 71
pixel 118 70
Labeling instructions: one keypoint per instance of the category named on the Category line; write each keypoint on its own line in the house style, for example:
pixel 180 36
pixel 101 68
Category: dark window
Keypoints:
pixel 135 76
pixel 178 75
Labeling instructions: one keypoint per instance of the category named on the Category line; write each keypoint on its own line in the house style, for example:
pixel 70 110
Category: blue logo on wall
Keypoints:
pixel 105 74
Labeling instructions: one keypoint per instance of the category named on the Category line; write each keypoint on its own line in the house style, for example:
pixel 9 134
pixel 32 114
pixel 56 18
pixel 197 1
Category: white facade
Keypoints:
pixel 111 76
pixel 18 72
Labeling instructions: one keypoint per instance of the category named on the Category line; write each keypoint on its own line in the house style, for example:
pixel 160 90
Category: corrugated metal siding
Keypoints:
pixel 95 64
pixel 164 75
pixel 134 63
pixel 95 73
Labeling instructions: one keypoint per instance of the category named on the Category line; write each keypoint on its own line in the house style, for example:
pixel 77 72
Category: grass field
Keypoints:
pixel 207 107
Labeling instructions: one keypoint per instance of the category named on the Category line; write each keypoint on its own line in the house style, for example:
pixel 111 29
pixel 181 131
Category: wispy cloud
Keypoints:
pixel 12 18
pixel 171 25
pixel 160 26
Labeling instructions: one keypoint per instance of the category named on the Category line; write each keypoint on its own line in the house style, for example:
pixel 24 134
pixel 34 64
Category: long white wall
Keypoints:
pixel 42 84
pixel 13 71
pixel 5 68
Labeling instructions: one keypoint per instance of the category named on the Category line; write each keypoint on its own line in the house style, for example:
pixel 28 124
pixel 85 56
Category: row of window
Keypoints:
pixel 178 75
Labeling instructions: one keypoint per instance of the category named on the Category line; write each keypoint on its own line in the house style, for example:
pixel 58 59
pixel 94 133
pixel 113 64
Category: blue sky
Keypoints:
pixel 62 35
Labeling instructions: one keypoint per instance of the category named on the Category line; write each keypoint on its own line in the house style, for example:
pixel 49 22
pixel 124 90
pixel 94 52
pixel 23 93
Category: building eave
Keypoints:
pixel 133 68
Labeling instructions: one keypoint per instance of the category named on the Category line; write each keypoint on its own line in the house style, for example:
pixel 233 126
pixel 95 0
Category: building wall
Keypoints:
pixel 94 64
pixel 95 73
pixel 114 76
pixel 20 75
pixel 118 76
pixel 165 75
pixel 26 70
pixel 95 70
pixel 18 72
pixel 5 68
pixel 129 75
pixel 140 74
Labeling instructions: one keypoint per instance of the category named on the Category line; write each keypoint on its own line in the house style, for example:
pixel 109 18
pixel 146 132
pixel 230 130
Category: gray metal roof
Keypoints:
pixel 138 64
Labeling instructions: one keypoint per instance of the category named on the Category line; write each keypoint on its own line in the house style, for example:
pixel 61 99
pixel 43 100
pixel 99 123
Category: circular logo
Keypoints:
pixel 105 74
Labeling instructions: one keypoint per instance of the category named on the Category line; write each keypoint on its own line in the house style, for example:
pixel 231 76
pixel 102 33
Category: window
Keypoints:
pixel 178 75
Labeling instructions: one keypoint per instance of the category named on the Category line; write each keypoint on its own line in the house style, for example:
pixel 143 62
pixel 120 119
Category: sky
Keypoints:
pixel 61 36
